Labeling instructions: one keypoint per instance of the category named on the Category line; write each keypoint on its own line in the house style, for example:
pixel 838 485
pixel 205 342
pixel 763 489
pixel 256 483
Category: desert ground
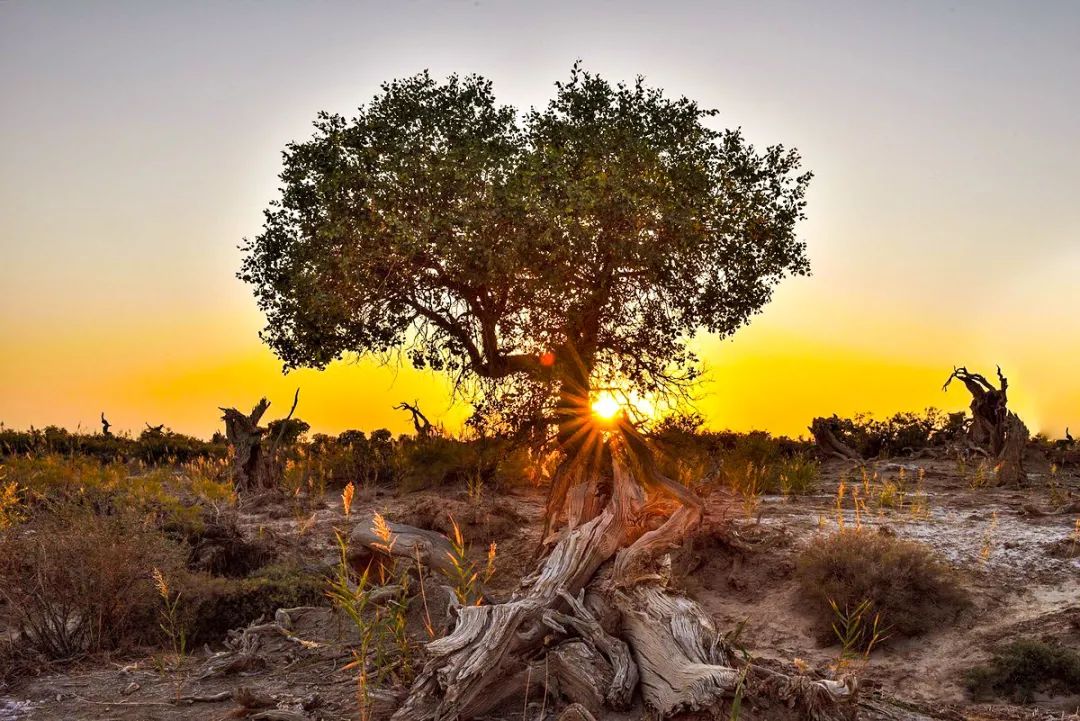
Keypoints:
pixel 1013 552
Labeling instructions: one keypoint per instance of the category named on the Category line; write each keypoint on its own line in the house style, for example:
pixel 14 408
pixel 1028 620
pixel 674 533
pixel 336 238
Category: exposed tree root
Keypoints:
pixel 597 622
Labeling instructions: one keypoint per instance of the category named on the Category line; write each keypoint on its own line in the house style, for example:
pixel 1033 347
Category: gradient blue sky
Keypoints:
pixel 141 141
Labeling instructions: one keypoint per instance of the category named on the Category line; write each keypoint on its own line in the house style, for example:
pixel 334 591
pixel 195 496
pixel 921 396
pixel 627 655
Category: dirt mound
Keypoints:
pixel 219 547
pixel 1063 548
pixel 480 523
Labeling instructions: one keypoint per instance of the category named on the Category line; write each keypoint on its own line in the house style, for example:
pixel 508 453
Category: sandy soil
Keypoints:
pixel 1016 564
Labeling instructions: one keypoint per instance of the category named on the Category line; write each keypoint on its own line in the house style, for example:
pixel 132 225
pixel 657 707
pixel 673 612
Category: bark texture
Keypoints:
pixel 252 463
pixel 255 466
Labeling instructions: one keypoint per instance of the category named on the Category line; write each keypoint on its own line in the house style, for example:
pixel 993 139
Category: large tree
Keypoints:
pixel 543 254
pixel 579 244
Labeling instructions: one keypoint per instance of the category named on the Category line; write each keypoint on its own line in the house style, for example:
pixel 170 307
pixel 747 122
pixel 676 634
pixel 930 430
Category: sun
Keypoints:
pixel 606 406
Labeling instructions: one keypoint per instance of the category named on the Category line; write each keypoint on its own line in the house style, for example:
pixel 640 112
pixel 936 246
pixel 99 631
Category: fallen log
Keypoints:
pixel 430 548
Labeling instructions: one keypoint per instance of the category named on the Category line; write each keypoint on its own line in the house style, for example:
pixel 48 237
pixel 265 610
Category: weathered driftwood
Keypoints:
pixel 431 548
pixel 994 428
pixel 665 644
pixel 823 430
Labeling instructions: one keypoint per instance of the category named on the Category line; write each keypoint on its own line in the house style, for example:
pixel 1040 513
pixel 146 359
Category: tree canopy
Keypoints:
pixel 590 238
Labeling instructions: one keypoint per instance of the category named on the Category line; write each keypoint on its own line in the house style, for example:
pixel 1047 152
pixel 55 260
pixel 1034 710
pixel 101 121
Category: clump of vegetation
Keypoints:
pixel 903 433
pixel 1023 668
pixel 798 475
pixel 153 445
pixel 750 464
pixel 376 601
pixel 905 584
pixel 49 482
pixel 82 582
pixel 214 605
pixel 857 633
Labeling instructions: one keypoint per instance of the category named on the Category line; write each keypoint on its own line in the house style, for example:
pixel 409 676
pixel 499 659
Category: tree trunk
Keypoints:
pixel 994 428
pixel 824 432
pixel 252 463
pixel 606 581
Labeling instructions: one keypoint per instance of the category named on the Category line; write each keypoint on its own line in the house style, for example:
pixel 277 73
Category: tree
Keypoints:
pixel 255 463
pixel 995 430
pixel 574 245
pixel 536 257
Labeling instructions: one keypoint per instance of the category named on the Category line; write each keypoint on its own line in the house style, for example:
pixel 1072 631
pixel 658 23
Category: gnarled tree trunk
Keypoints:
pixel 824 432
pixel 994 428
pixel 601 599
pixel 252 464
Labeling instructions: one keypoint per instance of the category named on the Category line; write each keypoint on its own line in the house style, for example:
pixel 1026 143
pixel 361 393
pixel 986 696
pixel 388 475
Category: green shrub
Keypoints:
pixel 900 434
pixel 152 445
pixel 904 581
pixel 53 482
pixel 798 475
pixel 354 457
pixel 213 605
pixel 1021 669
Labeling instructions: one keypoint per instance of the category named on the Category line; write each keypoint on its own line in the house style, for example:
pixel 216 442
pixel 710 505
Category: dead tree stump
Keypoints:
pixel 255 466
pixel 994 428
pixel 252 464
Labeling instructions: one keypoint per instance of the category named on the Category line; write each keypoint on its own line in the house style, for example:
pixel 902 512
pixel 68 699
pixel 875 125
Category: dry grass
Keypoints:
pixel 913 591
pixel 81 583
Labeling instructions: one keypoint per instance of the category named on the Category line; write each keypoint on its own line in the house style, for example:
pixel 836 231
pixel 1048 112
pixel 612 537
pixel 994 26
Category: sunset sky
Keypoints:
pixel 141 141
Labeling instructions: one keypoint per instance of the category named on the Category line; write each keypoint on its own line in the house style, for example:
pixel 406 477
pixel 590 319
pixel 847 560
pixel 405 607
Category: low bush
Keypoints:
pixel 1021 669
pixel 152 446
pixel 52 482
pixel 905 582
pixel 749 463
pixel 212 605
pixel 77 582
pixel 798 475
pixel 903 433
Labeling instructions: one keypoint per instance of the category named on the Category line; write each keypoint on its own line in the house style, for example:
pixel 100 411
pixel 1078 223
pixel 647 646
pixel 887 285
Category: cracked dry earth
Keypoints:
pixel 1016 561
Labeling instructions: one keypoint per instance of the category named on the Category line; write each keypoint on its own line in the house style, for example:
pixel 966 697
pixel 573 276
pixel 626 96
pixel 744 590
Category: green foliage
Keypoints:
pixel 754 462
pixel 1023 668
pixel 903 581
pixel 151 446
pixel 900 434
pixel 607 227
pixel 856 631
pixel 355 457
pixel 377 605
pixel 214 605
pixel 289 430
pixel 437 461
pixel 52 481
pixel 798 475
